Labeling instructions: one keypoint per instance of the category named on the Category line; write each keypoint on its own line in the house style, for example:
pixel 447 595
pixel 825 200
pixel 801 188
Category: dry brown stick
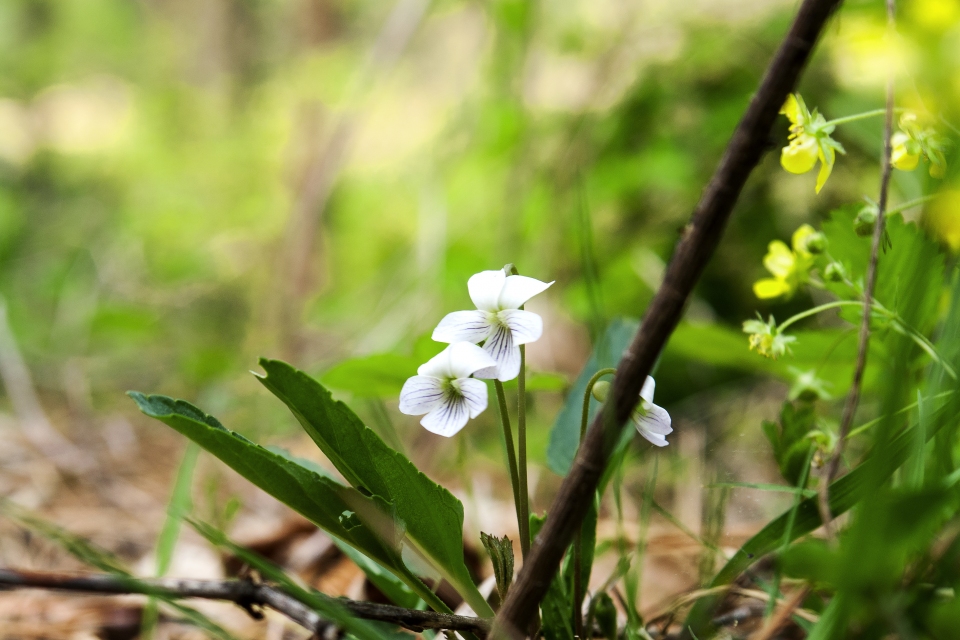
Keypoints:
pixel 242 592
pixel 853 398
pixel 699 241
pixel 781 616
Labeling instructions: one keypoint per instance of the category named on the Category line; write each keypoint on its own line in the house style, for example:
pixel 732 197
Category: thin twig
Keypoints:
pixel 245 593
pixel 783 614
pixel 693 252
pixel 853 398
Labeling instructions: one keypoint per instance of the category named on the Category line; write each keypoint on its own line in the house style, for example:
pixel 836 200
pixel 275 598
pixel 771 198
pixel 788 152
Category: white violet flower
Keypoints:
pixel 652 422
pixel 444 390
pixel 498 321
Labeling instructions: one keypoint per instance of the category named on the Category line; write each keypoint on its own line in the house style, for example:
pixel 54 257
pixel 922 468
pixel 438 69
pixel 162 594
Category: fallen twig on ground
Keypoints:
pixel 245 593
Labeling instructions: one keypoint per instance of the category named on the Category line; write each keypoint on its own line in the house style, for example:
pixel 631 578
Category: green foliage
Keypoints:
pixel 378 376
pixel 92 555
pixel 791 440
pixel 432 517
pixel 366 522
pixel 556 607
pixel 500 551
pixel 565 434
pixel 328 607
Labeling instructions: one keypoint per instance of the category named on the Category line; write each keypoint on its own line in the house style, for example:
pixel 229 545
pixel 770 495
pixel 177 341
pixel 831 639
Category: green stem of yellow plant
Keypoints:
pixel 909 204
pixel 524 506
pixel 815 310
pixel 578 541
pixel 898 324
pixel 511 452
pixel 859 116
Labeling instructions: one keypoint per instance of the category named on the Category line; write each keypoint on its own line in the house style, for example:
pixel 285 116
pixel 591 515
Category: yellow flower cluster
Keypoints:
pixel 914 141
pixel 790 268
pixel 809 141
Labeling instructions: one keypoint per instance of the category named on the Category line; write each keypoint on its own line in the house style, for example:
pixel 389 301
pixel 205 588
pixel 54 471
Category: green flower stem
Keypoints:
pixel 909 204
pixel 898 323
pixel 578 540
pixel 814 311
pixel 523 508
pixel 859 116
pixel 511 454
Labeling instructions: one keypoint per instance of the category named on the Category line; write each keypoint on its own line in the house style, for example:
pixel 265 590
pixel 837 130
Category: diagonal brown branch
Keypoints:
pixel 692 254
pixel 853 398
pixel 242 592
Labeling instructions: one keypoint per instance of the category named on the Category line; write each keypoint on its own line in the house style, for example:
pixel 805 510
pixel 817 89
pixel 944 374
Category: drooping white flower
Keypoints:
pixel 498 321
pixel 444 390
pixel 652 422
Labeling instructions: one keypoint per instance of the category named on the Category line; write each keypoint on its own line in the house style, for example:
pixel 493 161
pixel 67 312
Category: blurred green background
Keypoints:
pixel 185 186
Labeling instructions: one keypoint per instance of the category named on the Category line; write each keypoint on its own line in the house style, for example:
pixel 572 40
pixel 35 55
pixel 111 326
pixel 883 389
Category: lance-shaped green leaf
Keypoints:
pixel 368 524
pixel 432 515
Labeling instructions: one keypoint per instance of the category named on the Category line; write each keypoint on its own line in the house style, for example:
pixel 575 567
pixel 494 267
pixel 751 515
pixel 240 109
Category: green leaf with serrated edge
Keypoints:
pixel 844 494
pixel 556 608
pixel 365 523
pixel 89 553
pixel 565 434
pixel 500 551
pixel 432 515
pixel 324 605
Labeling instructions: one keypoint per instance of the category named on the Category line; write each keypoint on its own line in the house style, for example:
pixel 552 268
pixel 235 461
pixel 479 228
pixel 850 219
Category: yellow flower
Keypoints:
pixel 906 154
pixel 790 268
pixel 810 141
pixel 913 141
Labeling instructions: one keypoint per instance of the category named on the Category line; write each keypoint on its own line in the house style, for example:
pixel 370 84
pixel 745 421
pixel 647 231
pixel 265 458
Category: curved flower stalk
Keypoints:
pixel 652 421
pixel 914 141
pixel 444 390
pixel 498 321
pixel 809 141
pixel 790 268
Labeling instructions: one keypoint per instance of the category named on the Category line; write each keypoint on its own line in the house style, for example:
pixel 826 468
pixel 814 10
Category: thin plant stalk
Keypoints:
pixel 523 508
pixel 511 456
pixel 853 398
pixel 578 540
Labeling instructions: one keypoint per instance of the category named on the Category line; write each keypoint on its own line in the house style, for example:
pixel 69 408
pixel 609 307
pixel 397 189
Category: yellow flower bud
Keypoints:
pixel 800 155
pixel 902 158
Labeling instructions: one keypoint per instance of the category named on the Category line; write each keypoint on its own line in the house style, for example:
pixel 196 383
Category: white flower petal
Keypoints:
pixel 485 287
pixel 654 439
pixel 501 348
pixel 466 326
pixel 518 289
pixel 467 358
pixel 448 417
pixel 474 394
pixel 420 395
pixel 438 366
pixel 649 385
pixel 653 424
pixel 525 326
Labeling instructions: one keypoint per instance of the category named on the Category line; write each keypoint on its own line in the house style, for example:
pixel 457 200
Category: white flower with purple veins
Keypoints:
pixel 444 390
pixel 498 321
pixel 652 422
